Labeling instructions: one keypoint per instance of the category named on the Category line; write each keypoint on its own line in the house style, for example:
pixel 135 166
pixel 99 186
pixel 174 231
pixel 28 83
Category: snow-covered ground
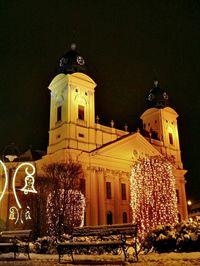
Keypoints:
pixel 170 259
pixel 153 259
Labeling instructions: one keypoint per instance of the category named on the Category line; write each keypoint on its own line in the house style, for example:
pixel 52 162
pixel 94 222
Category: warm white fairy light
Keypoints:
pixel 14 213
pixel 29 174
pixel 6 180
pixel 69 204
pixel 29 185
pixel 153 193
pixel 27 213
pixel 12 216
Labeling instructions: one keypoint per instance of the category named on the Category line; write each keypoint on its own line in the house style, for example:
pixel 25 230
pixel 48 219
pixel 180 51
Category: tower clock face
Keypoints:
pixel 80 60
pixel 165 96
pixel 150 97
pixel 62 61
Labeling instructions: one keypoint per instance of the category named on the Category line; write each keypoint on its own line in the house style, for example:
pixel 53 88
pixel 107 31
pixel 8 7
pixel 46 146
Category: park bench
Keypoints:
pixel 15 241
pixel 98 240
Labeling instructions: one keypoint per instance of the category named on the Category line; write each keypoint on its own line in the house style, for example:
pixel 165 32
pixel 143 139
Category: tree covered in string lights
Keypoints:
pixel 153 193
pixel 66 210
pixel 60 198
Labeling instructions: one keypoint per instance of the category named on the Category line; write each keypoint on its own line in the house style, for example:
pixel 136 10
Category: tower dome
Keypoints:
pixel 157 97
pixel 71 62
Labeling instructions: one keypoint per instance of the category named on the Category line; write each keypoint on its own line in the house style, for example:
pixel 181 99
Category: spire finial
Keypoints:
pixel 155 83
pixel 73 46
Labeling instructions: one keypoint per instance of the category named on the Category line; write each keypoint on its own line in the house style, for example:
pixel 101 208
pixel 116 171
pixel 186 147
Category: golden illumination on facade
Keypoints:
pixel 106 153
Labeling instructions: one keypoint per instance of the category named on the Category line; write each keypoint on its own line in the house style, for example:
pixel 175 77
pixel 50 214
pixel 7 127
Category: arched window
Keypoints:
pixel 171 139
pixel 81 112
pixel 124 218
pixel 109 217
pixel 59 113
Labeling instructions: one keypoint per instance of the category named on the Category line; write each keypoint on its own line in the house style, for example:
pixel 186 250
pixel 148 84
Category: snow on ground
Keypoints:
pixel 152 259
pixel 170 259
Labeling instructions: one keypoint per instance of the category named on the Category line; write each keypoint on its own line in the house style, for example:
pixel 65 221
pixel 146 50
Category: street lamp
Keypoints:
pixel 189 203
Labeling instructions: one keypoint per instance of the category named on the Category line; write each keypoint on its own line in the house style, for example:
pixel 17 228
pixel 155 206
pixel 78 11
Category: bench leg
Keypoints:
pixel 28 255
pixel 125 253
pixel 135 248
pixel 15 251
pixel 72 255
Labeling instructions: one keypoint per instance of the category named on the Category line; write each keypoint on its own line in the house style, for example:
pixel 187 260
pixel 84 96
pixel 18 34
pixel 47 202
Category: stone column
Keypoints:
pixel 101 196
pixel 93 198
pixel 183 202
pixel 117 198
pixel 180 184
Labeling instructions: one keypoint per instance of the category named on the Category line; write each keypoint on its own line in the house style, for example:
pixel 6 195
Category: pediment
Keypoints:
pixel 128 148
pixel 83 77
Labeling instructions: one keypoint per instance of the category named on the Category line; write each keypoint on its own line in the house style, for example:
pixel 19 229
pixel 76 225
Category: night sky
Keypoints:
pixel 126 44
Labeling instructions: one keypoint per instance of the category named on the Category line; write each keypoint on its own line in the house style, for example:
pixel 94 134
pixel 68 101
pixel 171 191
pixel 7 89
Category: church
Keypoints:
pixel 107 153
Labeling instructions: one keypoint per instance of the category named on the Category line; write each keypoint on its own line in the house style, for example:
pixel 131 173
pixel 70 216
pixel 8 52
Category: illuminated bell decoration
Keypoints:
pixel 12 214
pixel 13 210
pixel 29 185
pixel 28 214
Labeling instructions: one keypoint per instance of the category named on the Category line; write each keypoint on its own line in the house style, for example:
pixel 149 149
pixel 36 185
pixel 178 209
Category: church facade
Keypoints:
pixel 106 153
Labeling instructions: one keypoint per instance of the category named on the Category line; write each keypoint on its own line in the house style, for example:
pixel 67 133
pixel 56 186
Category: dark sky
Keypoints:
pixel 125 44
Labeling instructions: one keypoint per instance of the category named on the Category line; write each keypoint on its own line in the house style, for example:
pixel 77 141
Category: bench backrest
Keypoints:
pixel 105 230
pixel 20 234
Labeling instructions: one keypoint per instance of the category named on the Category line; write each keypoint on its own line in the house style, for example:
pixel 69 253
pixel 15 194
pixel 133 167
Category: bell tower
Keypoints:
pixel 72 109
pixel 160 127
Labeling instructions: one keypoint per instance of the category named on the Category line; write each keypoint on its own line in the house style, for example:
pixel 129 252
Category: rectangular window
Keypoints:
pixel 59 113
pixel 170 138
pixel 177 196
pixel 123 191
pixel 81 135
pixel 124 218
pixel 81 112
pixel 82 185
pixel 108 190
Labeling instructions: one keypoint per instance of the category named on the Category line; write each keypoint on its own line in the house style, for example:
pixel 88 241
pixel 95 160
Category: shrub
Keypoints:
pixel 184 237
pixel 188 236
pixel 163 239
pixel 44 245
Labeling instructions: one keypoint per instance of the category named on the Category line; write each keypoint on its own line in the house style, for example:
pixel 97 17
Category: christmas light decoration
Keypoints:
pixel 153 193
pixel 15 213
pixel 68 209
pixel 12 216
pixel 6 180
pixel 27 213
pixel 29 185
